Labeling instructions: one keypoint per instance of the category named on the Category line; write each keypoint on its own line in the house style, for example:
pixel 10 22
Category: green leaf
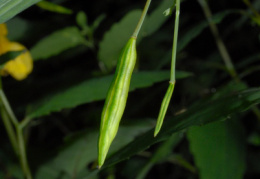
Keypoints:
pixel 95 89
pixel 57 42
pixel 82 20
pixel 54 7
pixel 219 150
pixel 77 154
pixel 204 112
pixel 10 8
pixel 97 22
pixel 115 39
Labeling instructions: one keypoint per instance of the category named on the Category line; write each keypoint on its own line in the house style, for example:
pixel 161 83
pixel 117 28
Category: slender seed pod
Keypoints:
pixel 116 99
pixel 164 107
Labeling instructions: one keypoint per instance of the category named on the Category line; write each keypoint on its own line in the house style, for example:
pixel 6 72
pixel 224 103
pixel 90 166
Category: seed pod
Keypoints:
pixel 164 107
pixel 116 99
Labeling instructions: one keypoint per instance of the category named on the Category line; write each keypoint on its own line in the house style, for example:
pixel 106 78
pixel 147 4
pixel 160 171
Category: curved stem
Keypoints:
pixel 9 129
pixel 175 39
pixel 140 23
pixel 16 139
pixel 223 50
pixel 22 149
pixel 220 44
pixel 8 108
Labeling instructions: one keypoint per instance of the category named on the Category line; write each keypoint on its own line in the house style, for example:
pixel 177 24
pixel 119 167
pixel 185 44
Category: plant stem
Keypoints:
pixel 178 159
pixel 175 39
pixel 16 139
pixel 25 122
pixel 8 108
pixel 23 157
pixel 8 125
pixel 10 130
pixel 248 3
pixel 220 44
pixel 140 23
pixel 222 49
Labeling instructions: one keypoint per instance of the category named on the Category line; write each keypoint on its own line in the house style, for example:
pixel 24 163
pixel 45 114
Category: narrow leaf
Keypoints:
pixel 95 89
pixel 54 7
pixel 204 112
pixel 57 42
pixel 81 150
pixel 9 56
pixel 9 8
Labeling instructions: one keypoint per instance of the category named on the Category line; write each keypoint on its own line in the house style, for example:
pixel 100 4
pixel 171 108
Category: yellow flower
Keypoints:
pixel 3 30
pixel 20 67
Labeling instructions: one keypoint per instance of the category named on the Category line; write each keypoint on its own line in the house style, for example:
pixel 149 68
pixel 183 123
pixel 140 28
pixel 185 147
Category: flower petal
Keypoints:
pixel 21 66
pixel 4 45
pixel 3 30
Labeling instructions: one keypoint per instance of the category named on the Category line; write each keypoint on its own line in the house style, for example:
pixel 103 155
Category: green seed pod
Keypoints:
pixel 164 107
pixel 116 99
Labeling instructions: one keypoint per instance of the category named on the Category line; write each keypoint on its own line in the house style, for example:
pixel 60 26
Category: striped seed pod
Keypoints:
pixel 164 107
pixel 116 99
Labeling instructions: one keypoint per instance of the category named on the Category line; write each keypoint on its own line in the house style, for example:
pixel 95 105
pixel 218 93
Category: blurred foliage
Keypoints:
pixel 212 125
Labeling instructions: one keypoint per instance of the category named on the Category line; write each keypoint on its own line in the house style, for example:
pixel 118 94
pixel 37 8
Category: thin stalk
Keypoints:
pixel 25 122
pixel 8 108
pixel 140 23
pixel 168 94
pixel 10 130
pixel 178 159
pixel 175 39
pixel 6 120
pixel 22 150
pixel 222 49
pixel 248 3
pixel 17 139
pixel 220 44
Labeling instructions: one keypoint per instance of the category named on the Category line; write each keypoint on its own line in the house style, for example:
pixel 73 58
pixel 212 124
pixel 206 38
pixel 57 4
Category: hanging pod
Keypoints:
pixel 168 95
pixel 164 107
pixel 116 99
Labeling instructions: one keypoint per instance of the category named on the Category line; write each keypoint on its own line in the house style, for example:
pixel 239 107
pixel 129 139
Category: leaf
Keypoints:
pixel 97 22
pixel 10 8
pixel 54 7
pixel 170 10
pixel 9 56
pixel 82 20
pixel 57 42
pixel 204 112
pixel 95 89
pixel 74 157
pixel 115 39
pixel 219 150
